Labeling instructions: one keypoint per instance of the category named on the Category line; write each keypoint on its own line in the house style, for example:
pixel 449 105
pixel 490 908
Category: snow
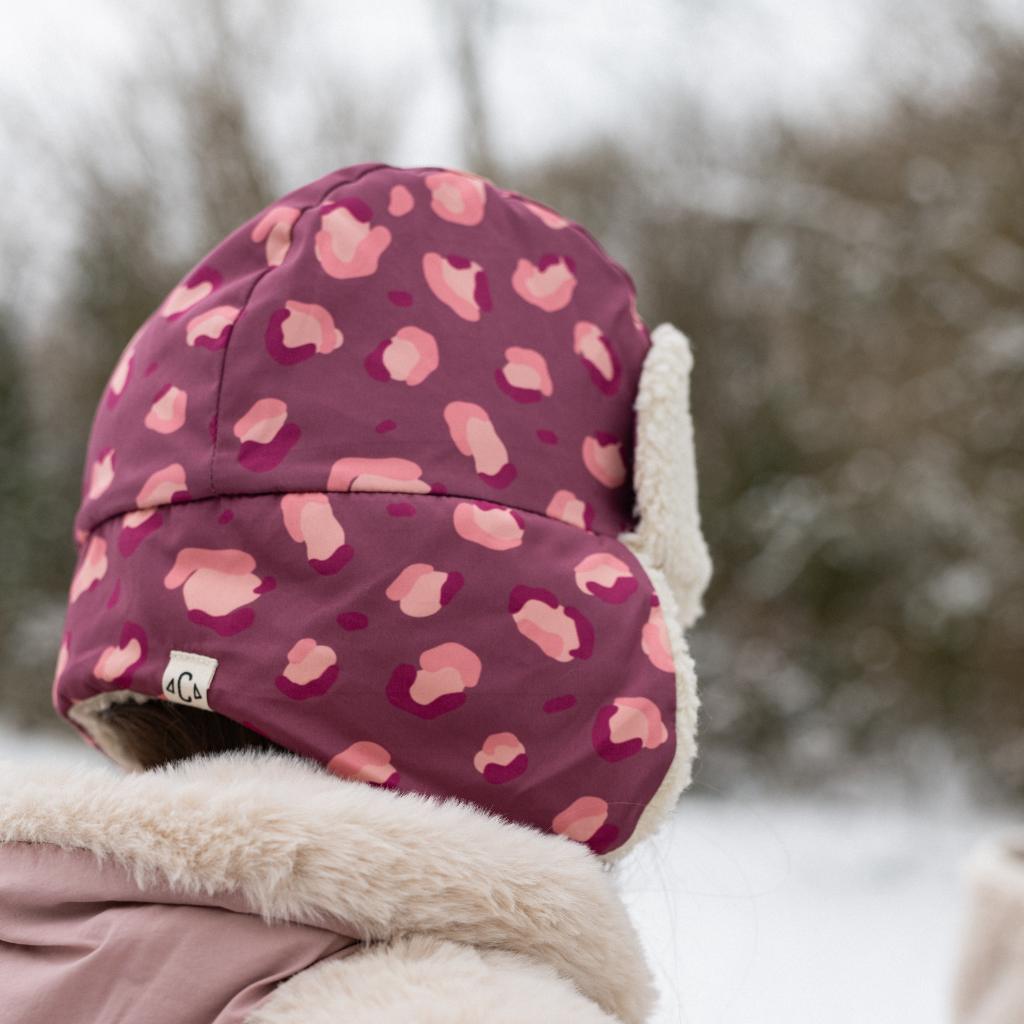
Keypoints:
pixel 554 75
pixel 779 910
pixel 46 747
pixel 555 72
pixel 774 909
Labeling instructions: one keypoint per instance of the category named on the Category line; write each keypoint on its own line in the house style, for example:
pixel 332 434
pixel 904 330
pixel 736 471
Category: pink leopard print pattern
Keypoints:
pixel 373 454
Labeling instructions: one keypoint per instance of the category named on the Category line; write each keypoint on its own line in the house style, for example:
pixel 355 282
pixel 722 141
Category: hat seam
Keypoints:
pixel 99 524
pixel 570 222
pixel 248 299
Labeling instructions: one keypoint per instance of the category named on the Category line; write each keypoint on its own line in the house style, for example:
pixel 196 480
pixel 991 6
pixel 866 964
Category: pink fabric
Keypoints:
pixel 373 455
pixel 80 941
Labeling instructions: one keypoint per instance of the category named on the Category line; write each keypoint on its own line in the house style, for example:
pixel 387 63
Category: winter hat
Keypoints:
pixel 397 477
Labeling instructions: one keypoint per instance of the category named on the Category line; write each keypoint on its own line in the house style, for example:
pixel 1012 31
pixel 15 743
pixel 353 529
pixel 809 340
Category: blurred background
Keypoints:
pixel 825 196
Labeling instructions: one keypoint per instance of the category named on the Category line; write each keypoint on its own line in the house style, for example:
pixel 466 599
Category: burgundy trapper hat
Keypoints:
pixel 397 477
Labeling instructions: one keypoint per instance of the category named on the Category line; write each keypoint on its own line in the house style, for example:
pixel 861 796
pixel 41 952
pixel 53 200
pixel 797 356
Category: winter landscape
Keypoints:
pixel 826 198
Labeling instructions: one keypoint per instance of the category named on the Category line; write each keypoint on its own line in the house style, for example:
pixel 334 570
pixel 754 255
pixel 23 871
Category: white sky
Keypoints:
pixel 555 71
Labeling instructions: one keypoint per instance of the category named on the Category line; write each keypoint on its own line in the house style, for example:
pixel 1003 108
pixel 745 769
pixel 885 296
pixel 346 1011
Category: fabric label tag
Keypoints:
pixel 187 678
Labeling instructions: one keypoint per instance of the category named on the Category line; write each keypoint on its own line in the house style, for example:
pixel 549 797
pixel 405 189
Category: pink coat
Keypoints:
pixel 258 888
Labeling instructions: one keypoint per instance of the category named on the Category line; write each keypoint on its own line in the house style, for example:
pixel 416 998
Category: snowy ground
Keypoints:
pixel 775 910
pixel 785 911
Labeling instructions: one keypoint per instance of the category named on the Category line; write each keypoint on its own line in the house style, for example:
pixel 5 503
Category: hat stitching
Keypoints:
pixel 248 298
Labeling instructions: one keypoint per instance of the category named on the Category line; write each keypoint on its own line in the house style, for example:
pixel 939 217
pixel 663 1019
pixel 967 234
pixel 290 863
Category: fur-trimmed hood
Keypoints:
pixel 438 904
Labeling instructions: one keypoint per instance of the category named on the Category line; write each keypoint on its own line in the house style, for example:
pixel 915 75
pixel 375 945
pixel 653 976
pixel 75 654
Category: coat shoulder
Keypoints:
pixel 434 888
pixel 432 981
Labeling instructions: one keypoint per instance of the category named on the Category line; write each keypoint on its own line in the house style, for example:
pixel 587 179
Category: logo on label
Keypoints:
pixel 187 678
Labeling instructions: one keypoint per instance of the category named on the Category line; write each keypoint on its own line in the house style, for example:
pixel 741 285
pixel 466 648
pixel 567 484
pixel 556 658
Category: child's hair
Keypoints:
pixel 157 732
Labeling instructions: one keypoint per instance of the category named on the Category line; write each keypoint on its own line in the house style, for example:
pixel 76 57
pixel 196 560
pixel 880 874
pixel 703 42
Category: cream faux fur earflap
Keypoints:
pixel 668 535
pixel 299 844
pixel 669 544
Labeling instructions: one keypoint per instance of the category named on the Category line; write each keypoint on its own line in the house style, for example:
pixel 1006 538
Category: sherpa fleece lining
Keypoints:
pixel 428 981
pixel 668 533
pixel 299 844
pixel 669 544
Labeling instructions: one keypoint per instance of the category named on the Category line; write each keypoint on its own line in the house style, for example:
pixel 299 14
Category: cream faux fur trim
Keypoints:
pixel 429 981
pixel 989 979
pixel 88 715
pixel 679 774
pixel 668 543
pixel 299 844
pixel 996 870
pixel 668 531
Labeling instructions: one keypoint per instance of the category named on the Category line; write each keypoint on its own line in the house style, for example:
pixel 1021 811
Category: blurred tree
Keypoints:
pixel 854 301
pixel 466 30
pixel 17 493
pixel 191 165
pixel 206 76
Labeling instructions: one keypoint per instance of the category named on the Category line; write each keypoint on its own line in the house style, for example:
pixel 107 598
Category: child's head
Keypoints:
pixel 158 732
pixel 397 479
